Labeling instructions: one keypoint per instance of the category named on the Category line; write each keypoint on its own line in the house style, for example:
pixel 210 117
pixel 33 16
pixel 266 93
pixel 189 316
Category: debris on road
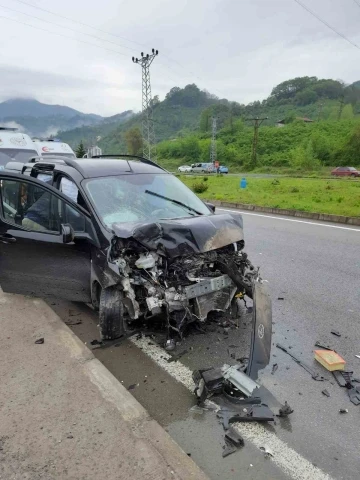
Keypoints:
pixel 280 298
pixel 131 387
pixel 177 357
pixel 357 356
pixel 343 378
pixel 325 392
pixel 233 441
pixel 343 410
pixel 336 333
pixel 253 413
pixel 285 410
pixel 346 380
pixel 330 360
pixel 267 451
pixel 325 347
pixel 274 368
pixel 315 376
pixel 40 341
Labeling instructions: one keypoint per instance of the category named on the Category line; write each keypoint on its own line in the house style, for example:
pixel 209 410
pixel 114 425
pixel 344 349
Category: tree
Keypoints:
pixel 305 97
pixel 134 141
pixel 80 150
pixel 350 152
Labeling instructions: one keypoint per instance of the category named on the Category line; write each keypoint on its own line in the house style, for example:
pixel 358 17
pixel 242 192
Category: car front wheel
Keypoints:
pixel 111 314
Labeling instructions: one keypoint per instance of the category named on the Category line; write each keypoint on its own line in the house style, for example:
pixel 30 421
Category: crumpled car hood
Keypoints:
pixel 185 235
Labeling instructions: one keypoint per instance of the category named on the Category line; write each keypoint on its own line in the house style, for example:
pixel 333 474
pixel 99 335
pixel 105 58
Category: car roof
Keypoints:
pixel 101 166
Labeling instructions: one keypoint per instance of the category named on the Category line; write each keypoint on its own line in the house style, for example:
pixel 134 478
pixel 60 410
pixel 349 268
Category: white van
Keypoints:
pixel 45 148
pixel 15 147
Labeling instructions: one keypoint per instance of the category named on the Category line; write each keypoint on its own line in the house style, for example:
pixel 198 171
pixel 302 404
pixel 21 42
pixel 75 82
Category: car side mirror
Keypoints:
pixel 67 233
pixel 210 206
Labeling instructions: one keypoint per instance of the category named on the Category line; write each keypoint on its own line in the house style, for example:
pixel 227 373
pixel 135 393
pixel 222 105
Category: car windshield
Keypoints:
pixel 352 169
pixel 142 198
pixel 15 155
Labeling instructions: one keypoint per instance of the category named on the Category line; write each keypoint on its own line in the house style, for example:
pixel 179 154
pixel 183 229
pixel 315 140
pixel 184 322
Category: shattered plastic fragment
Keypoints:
pixel 336 333
pixel 314 375
pixel 267 451
pixel 39 341
pixel 197 410
pixel 274 368
pixel 343 410
pixel 325 392
pixel 285 410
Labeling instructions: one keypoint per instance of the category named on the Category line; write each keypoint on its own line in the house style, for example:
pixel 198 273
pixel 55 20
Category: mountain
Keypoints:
pixel 29 107
pixel 94 133
pixel 178 114
pixel 43 120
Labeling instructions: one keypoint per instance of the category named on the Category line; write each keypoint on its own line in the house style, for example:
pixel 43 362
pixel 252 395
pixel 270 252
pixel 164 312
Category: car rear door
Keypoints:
pixel 34 260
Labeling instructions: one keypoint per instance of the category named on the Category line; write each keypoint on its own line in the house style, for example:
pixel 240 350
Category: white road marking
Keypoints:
pixel 290 220
pixel 293 464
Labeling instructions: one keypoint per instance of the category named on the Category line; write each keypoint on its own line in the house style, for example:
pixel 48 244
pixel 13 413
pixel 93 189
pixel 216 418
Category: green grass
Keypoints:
pixel 338 196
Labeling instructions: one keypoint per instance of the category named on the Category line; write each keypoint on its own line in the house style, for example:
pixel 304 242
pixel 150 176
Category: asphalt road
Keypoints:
pixel 315 268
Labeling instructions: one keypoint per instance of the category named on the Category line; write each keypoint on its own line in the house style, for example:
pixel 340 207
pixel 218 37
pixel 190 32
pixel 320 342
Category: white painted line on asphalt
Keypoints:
pixel 290 220
pixel 287 459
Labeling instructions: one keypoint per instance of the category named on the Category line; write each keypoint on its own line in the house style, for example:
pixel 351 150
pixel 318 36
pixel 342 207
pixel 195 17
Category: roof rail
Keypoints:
pixel 136 157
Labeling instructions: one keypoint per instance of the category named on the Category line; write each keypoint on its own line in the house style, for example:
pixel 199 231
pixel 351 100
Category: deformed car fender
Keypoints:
pixel 261 335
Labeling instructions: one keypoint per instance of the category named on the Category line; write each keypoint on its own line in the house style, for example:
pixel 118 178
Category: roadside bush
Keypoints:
pixel 199 187
pixel 294 190
pixel 205 179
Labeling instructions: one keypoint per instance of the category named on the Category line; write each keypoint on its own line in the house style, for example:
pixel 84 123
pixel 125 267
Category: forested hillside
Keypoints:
pixel 329 135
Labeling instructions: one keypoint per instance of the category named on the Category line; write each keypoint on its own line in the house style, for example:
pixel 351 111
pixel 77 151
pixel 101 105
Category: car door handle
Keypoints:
pixel 6 238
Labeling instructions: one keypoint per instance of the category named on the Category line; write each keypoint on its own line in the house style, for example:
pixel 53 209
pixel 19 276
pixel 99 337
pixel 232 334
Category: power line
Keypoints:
pixel 63 26
pixel 65 36
pixel 108 33
pixel 213 141
pixel 80 23
pixel 325 23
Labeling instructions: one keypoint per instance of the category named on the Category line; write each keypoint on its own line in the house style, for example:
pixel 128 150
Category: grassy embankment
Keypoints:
pixel 336 196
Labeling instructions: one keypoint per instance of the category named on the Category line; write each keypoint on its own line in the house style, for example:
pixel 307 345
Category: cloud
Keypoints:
pixel 237 50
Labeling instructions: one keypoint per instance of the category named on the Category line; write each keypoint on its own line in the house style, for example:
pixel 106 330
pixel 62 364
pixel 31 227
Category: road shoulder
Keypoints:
pixel 64 415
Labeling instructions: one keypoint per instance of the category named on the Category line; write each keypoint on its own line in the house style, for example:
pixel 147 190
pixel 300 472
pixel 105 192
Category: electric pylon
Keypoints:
pixel 148 131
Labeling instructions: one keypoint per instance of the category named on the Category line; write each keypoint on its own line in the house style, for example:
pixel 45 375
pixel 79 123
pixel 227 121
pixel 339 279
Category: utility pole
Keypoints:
pixel 213 142
pixel 257 122
pixel 341 106
pixel 320 111
pixel 148 132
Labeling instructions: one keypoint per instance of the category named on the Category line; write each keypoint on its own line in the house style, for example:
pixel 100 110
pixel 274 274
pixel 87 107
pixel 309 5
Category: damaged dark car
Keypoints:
pixel 131 239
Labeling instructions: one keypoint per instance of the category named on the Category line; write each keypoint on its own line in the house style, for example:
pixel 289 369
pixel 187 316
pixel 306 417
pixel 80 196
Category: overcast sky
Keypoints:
pixel 237 49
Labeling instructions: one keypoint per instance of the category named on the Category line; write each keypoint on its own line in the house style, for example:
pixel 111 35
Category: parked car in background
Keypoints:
pixel 185 169
pixel 202 168
pixel 223 169
pixel 345 172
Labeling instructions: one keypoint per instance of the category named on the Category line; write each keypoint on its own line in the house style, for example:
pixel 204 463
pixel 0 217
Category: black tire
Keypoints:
pixel 353 175
pixel 111 314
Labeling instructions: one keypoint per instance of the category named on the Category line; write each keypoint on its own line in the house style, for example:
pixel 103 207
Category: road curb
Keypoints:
pixel 291 213
pixel 143 427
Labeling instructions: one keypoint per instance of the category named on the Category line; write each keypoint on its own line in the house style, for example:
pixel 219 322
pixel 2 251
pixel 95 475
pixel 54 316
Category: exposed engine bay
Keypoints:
pixel 184 268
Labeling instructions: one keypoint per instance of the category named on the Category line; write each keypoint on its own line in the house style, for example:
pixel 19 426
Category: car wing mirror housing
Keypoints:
pixel 67 233
pixel 210 206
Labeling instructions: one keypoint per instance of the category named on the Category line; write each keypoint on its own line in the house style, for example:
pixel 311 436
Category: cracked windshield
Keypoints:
pixel 134 198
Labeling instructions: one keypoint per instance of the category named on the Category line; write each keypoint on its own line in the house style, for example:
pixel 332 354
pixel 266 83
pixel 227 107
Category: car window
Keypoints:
pixel 32 207
pixel 142 197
